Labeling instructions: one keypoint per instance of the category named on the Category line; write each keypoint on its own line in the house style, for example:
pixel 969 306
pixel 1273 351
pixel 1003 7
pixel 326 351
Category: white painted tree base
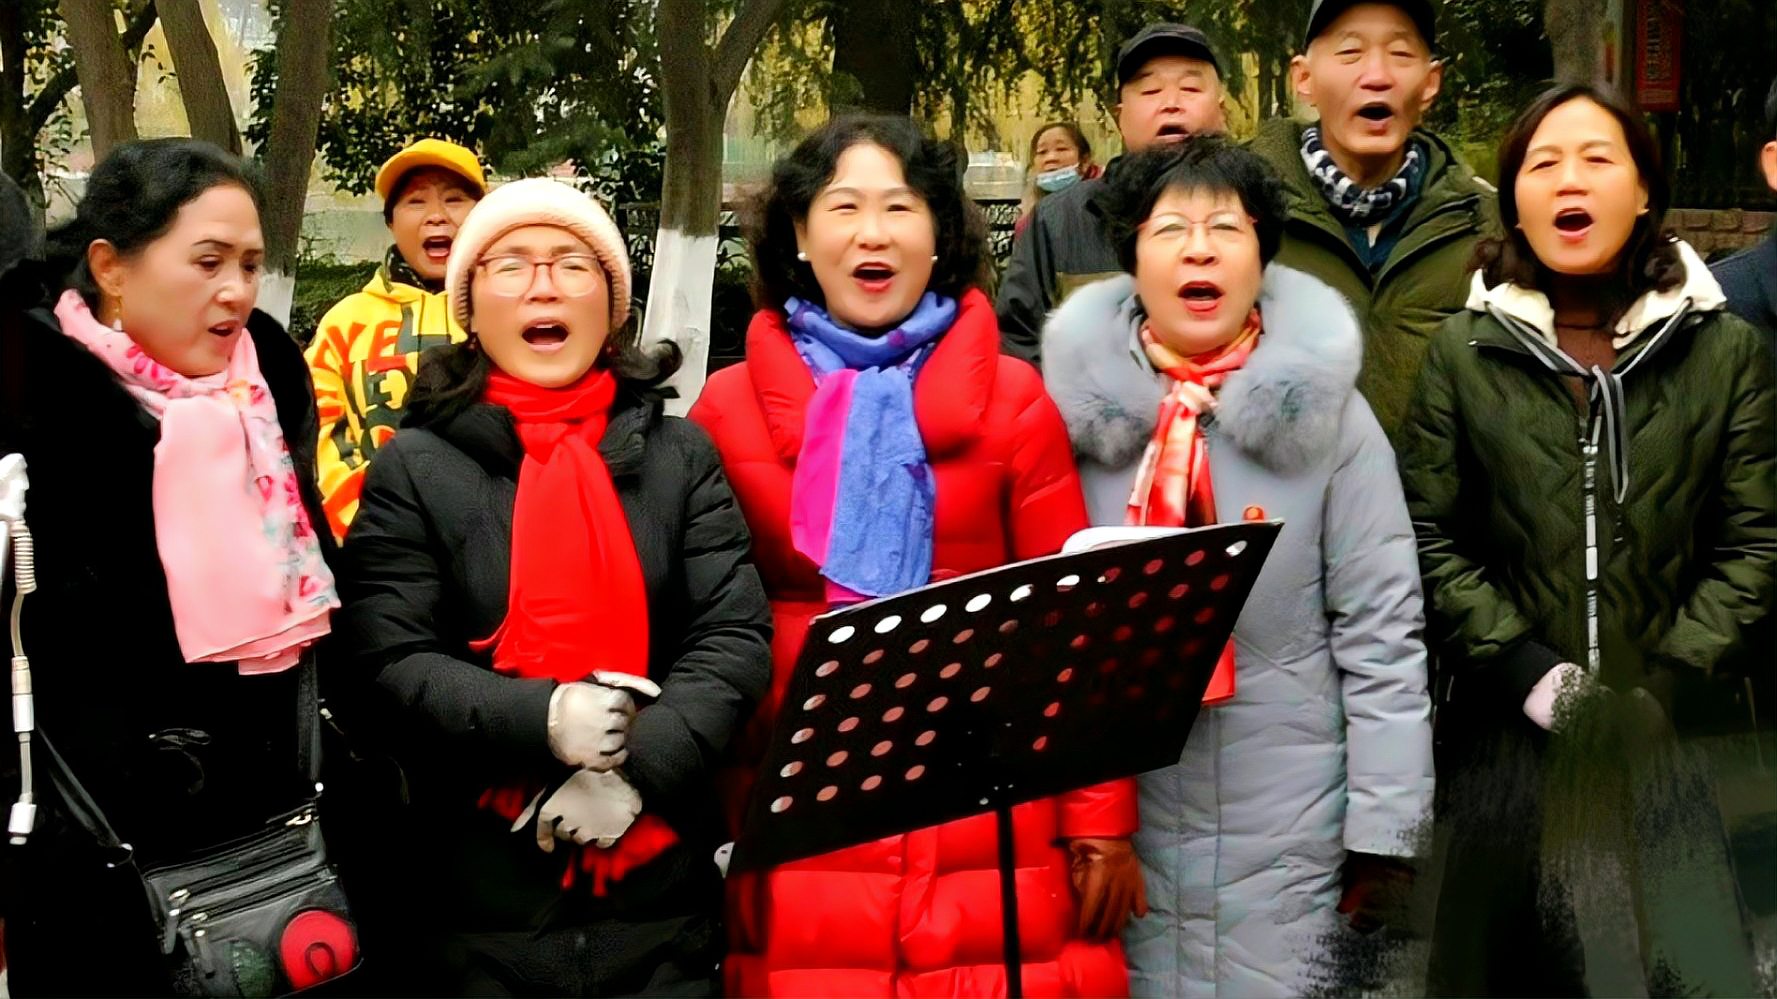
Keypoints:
pixel 276 293
pixel 679 308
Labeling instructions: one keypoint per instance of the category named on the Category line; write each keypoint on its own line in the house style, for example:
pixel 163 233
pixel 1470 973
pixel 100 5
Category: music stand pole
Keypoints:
pixel 1009 900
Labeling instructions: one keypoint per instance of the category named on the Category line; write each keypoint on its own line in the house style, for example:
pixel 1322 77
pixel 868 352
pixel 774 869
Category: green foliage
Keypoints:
pixel 527 85
pixel 38 148
pixel 320 284
pixel 1495 61
pixel 1715 136
pixel 961 49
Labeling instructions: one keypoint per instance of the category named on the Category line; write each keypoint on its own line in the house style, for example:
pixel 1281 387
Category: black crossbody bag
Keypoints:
pixel 261 915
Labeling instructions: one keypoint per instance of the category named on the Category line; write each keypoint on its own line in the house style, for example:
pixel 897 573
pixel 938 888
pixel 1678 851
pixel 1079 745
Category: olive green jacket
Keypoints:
pixel 1638 536
pixel 1423 281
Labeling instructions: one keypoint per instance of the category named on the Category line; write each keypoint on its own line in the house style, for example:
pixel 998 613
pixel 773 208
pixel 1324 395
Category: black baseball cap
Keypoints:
pixel 1162 38
pixel 1325 12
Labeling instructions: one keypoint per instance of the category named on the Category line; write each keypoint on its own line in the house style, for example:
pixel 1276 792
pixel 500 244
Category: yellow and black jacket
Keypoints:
pixel 363 360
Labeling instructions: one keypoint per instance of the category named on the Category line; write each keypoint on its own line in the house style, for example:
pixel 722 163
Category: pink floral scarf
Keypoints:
pixel 244 571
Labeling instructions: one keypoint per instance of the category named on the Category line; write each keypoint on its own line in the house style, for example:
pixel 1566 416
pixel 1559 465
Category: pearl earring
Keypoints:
pixel 934 258
pixel 117 321
pixel 802 256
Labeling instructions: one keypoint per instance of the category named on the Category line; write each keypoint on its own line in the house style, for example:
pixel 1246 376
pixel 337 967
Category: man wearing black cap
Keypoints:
pixel 1384 211
pixel 1168 87
pixel 1749 278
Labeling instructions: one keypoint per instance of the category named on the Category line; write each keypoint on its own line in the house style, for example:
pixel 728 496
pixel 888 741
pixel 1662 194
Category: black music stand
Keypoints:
pixel 986 691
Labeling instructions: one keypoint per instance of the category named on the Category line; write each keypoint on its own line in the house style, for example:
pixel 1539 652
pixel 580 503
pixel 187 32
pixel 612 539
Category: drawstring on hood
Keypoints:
pixel 1528 316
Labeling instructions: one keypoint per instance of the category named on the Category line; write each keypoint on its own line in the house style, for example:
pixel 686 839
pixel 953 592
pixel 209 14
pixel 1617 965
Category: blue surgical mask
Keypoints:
pixel 1058 179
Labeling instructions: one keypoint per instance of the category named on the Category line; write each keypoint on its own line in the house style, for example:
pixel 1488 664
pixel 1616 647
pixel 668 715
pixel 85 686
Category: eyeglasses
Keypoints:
pixel 510 275
pixel 1227 228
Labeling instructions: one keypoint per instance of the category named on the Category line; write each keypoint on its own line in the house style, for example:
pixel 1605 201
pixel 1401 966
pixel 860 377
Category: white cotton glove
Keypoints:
pixel 589 721
pixel 590 807
pixel 1565 681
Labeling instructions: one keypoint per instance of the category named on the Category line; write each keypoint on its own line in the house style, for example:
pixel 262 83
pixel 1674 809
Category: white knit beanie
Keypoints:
pixel 537 201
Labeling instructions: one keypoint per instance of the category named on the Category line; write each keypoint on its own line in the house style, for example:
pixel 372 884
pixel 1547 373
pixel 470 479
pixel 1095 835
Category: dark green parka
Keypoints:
pixel 1423 281
pixel 1638 538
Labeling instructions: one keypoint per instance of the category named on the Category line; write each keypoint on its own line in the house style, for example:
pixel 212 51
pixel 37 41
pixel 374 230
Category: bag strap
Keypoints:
pixel 308 720
pixel 85 812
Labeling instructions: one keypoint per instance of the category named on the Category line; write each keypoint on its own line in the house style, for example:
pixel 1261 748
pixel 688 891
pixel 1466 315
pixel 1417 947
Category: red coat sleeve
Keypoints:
pixel 1047 506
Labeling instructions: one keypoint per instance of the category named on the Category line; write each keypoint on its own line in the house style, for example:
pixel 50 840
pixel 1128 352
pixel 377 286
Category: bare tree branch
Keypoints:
pixel 739 42
pixel 54 90
pixel 201 88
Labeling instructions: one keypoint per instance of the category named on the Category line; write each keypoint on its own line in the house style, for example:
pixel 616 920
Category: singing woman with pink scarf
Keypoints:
pixel 1212 385
pixel 168 430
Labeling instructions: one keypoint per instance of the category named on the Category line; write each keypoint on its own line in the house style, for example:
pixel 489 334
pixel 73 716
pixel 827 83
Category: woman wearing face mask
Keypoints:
pixel 549 584
pixel 169 433
pixel 873 333
pixel 1591 464
pixel 1060 157
pixel 1213 386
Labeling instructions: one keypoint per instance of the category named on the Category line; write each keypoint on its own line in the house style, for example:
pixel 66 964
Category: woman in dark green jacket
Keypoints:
pixel 1591 466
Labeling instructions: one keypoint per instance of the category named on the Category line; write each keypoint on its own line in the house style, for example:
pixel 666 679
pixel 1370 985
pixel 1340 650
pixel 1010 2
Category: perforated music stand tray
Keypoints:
pixel 983 692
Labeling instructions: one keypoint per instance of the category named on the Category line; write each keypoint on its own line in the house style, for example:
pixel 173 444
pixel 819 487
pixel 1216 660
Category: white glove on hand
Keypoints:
pixel 589 721
pixel 590 807
pixel 1560 685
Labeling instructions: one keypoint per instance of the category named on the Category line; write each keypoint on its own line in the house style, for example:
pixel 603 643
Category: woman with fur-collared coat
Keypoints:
pixel 1208 388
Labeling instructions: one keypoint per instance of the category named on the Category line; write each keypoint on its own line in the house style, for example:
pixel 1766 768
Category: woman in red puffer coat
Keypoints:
pixel 873 335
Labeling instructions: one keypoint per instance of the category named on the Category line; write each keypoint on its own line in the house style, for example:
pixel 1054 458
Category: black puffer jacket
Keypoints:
pixel 1064 248
pixel 426 573
pixel 178 755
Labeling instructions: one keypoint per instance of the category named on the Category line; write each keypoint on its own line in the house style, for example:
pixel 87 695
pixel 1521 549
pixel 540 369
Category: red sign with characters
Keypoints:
pixel 1659 34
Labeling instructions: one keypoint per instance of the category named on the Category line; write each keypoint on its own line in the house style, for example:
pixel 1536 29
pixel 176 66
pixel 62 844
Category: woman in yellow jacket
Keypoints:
pixel 367 348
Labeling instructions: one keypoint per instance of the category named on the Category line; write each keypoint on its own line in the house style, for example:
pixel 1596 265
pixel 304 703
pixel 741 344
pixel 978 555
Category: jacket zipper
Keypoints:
pixel 1460 205
pixel 1373 279
pixel 1589 447
pixel 192 929
pixel 178 897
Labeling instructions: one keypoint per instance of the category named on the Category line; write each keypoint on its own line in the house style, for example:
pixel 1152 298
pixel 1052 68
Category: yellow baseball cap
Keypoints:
pixel 430 153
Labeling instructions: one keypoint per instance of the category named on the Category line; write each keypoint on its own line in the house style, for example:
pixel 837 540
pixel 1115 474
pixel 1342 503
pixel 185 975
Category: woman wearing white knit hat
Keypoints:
pixel 550 585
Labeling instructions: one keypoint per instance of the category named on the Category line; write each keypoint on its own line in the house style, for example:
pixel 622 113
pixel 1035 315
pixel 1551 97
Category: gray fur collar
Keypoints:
pixel 1283 408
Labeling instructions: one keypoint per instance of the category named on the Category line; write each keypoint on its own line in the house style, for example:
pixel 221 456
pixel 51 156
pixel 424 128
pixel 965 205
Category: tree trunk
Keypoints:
pixel 17 139
pixel 1576 37
pixel 872 44
pixel 305 42
pixel 107 76
pixel 208 110
pixel 696 84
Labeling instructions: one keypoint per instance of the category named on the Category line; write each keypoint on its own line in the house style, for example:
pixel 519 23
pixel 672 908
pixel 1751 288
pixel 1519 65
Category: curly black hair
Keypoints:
pixel 932 170
pixel 1202 163
pixel 1650 259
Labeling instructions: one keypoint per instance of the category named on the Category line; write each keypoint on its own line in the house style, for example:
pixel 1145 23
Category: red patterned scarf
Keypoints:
pixel 577 599
pixel 1172 484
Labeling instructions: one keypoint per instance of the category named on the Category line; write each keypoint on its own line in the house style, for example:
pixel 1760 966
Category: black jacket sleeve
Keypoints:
pixel 1027 289
pixel 724 660
pixel 391 628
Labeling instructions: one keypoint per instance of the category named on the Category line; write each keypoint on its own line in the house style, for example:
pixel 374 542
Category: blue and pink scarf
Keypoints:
pixel 862 499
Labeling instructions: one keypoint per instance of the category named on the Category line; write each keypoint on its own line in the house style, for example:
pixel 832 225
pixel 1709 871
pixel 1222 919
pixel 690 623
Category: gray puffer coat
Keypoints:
pixel 1326 746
